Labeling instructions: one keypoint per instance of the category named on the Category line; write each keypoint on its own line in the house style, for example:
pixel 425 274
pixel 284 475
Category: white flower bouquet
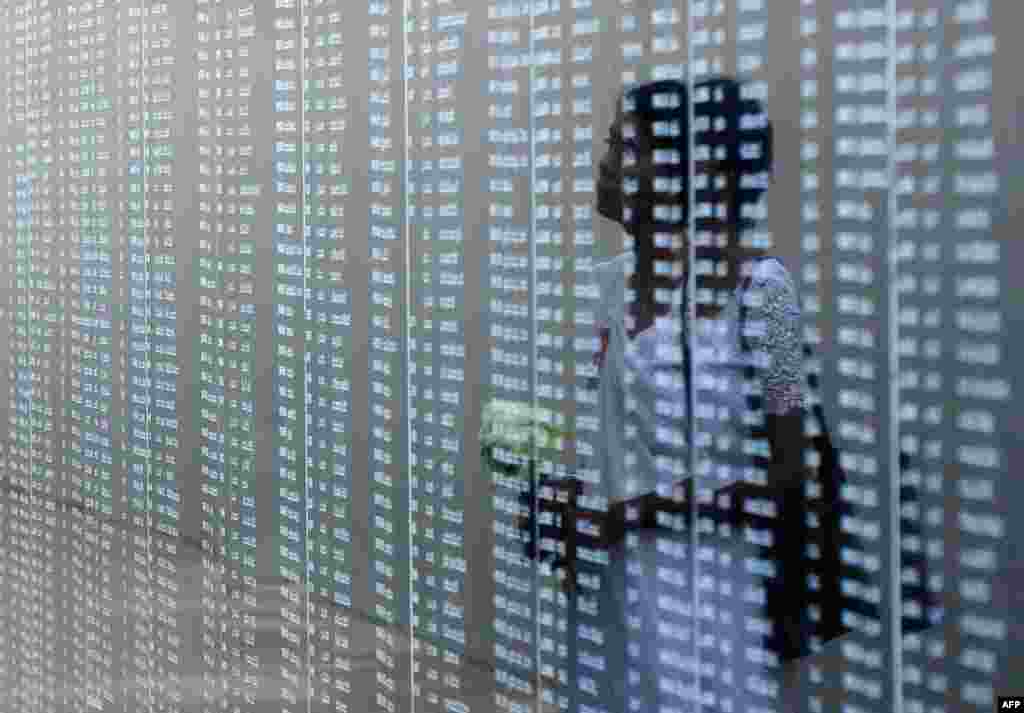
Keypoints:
pixel 512 432
pixel 512 435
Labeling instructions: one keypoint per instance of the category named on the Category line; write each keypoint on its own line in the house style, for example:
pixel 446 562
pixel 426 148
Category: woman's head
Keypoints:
pixel 645 181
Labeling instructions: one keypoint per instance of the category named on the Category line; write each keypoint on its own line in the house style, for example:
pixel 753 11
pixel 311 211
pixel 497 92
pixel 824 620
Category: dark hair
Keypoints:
pixel 730 128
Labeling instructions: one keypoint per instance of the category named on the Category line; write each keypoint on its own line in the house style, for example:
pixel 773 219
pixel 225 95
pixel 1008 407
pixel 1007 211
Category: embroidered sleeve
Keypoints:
pixel 774 334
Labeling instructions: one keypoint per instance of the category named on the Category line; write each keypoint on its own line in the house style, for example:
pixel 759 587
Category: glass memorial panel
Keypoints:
pixel 518 355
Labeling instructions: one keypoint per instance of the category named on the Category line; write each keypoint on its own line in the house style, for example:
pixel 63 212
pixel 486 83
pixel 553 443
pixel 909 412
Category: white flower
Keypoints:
pixel 511 430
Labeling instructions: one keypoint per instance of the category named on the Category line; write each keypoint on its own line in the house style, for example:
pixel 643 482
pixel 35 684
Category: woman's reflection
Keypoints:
pixel 634 569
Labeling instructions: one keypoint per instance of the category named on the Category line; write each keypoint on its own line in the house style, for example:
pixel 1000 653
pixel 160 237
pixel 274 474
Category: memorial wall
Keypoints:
pixel 316 370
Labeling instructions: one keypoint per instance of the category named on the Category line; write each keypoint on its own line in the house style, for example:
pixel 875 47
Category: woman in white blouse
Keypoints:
pixel 639 645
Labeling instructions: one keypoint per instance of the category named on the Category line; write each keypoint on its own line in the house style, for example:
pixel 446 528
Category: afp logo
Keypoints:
pixel 1010 703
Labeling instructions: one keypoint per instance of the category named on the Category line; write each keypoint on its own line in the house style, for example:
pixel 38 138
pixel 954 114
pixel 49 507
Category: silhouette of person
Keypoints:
pixel 634 571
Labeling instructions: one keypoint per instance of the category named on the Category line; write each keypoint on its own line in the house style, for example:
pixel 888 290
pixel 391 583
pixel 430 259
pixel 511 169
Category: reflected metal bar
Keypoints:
pixel 895 604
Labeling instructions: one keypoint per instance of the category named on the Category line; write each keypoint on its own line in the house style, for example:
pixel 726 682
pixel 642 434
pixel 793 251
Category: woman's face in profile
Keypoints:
pixel 625 185
pixel 609 177
pixel 620 167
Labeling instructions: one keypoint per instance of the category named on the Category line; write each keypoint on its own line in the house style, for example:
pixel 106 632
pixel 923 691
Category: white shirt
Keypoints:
pixel 641 410
pixel 642 443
